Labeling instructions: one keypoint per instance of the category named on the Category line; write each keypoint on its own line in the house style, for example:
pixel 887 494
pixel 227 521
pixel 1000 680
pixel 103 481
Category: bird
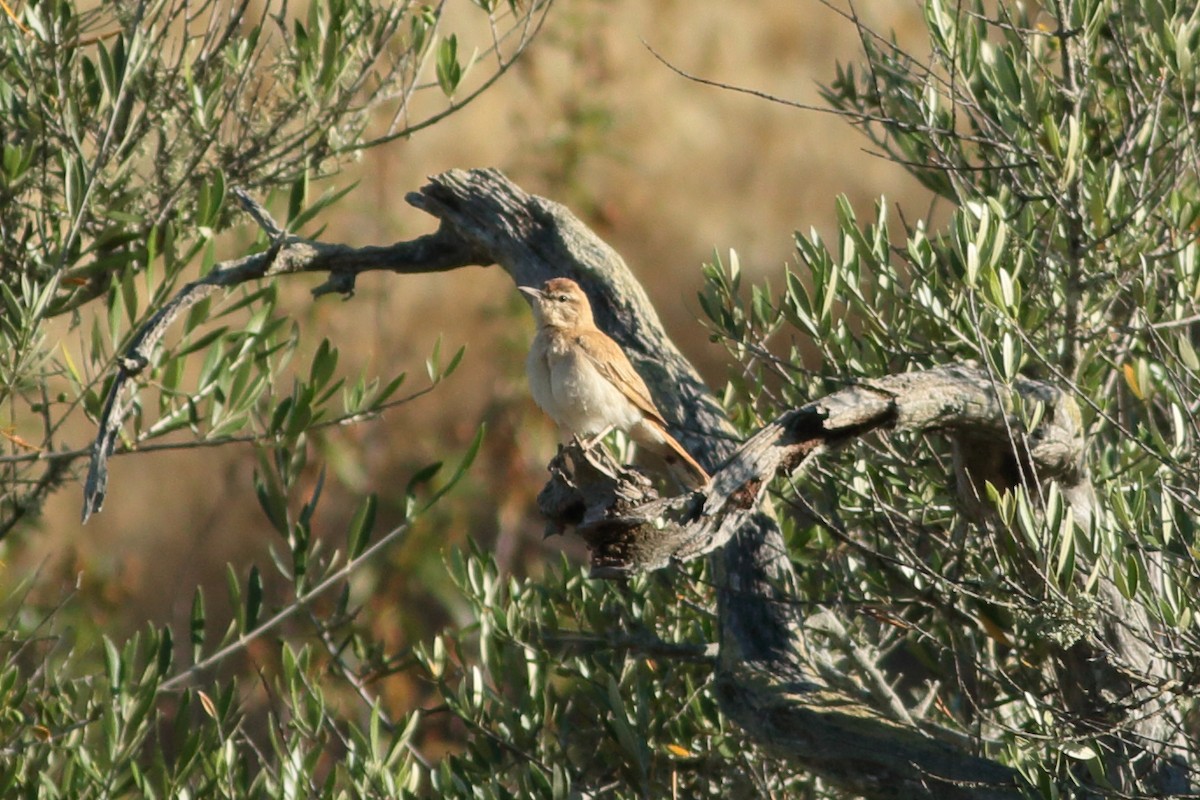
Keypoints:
pixel 583 380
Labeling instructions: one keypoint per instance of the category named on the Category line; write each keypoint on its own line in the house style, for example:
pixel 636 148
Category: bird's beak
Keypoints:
pixel 529 290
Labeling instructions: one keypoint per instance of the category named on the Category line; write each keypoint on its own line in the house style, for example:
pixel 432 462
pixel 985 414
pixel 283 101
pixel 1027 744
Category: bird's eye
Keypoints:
pixel 562 298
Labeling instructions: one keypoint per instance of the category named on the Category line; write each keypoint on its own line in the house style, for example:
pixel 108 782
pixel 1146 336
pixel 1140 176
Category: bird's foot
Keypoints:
pixel 589 442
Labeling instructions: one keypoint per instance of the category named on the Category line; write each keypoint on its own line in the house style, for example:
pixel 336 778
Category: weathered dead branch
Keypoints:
pixel 630 536
pixel 765 677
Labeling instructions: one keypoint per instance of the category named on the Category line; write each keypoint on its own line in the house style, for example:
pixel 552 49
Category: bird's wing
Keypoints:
pixel 612 363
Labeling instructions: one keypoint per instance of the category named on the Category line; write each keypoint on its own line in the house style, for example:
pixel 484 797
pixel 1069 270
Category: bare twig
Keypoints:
pixel 287 255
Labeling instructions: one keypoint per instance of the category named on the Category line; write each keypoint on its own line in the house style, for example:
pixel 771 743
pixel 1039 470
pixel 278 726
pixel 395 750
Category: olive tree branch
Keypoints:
pixel 287 255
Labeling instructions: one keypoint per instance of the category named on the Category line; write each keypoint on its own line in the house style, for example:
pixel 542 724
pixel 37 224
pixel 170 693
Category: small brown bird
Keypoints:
pixel 584 381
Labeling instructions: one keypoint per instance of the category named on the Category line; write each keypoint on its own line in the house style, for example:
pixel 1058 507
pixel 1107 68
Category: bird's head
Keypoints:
pixel 560 303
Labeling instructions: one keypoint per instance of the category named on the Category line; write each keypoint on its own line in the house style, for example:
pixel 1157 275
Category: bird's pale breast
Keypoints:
pixel 572 391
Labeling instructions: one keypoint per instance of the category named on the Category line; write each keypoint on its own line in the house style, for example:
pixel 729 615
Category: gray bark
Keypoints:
pixel 764 681
pixel 765 676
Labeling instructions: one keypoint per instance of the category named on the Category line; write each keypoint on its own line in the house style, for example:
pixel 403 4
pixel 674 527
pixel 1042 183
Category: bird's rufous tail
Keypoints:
pixel 682 466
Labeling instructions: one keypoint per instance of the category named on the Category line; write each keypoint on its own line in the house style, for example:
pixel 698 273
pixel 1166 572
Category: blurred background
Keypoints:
pixel 665 169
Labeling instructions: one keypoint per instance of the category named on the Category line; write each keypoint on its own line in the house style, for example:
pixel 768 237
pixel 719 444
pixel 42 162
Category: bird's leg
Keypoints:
pixel 592 441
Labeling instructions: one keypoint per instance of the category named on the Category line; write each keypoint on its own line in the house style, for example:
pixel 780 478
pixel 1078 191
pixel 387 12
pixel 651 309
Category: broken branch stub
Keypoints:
pixel 615 509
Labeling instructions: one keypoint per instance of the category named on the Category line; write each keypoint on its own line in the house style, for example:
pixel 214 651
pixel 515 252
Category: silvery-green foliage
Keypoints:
pixel 1059 145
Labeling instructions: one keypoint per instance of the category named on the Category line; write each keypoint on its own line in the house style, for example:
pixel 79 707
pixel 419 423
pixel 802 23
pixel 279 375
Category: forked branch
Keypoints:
pixel 629 529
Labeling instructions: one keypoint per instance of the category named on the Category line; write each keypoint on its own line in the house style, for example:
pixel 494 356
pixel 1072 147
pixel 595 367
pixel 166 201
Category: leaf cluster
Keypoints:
pixel 125 127
pixel 1059 146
